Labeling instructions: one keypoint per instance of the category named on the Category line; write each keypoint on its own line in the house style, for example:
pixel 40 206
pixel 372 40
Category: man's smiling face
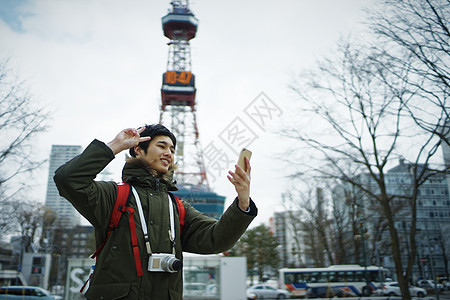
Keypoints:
pixel 160 154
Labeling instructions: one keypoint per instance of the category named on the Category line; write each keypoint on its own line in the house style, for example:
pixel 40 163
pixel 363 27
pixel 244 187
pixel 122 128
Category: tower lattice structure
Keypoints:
pixel 178 105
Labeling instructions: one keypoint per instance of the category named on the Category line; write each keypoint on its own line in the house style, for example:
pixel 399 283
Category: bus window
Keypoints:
pixel 289 278
pixel 350 276
pixel 340 277
pixel 322 277
pixel 314 277
pixel 300 278
pixel 373 276
pixel 359 276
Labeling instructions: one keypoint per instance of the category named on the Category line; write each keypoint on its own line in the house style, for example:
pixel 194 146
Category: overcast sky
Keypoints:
pixel 98 64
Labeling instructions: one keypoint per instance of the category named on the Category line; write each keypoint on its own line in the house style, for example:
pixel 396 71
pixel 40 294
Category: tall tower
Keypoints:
pixel 178 110
pixel 178 93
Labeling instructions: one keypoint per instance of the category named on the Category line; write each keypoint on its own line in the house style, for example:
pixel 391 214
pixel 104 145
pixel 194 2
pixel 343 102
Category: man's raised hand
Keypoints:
pixel 127 139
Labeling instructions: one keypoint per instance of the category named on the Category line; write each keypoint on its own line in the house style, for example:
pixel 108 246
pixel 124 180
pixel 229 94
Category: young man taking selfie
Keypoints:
pixel 129 265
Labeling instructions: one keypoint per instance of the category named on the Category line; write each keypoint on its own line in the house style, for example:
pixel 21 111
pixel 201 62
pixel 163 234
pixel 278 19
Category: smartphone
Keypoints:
pixel 244 153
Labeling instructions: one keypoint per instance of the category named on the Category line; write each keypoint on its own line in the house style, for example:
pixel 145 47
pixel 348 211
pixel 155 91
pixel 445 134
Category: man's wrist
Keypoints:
pixel 251 209
pixel 114 147
pixel 245 210
pixel 244 205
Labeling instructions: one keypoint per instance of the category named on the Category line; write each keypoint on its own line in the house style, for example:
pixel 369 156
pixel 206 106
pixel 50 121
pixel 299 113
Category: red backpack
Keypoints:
pixel 120 207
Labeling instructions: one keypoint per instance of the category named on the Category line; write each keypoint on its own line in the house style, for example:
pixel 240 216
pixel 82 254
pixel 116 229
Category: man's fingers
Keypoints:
pixel 247 165
pixel 140 129
pixel 131 132
pixel 241 178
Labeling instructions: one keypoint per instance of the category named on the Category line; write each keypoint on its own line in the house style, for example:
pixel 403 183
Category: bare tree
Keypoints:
pixel 21 121
pixel 347 212
pixel 298 243
pixel 310 221
pixel 30 220
pixel 292 220
pixel 419 30
pixel 341 229
pixel 417 34
pixel 364 108
pixel 444 245
pixel 315 227
pixel 49 217
pixel 7 215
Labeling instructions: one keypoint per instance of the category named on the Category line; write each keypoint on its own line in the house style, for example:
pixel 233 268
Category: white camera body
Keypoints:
pixel 164 262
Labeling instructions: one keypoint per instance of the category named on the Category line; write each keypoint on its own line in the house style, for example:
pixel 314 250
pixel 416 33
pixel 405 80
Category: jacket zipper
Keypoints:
pixel 157 184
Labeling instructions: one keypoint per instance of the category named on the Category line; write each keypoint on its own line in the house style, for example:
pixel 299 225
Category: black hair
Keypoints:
pixel 152 131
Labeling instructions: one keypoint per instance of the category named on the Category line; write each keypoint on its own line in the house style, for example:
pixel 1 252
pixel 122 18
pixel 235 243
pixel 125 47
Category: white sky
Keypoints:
pixel 98 65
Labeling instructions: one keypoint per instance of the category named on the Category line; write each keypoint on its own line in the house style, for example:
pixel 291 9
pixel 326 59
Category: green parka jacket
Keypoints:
pixel 115 274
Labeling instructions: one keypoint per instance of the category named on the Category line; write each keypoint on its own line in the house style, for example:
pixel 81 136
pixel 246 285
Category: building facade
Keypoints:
pixel 202 198
pixel 287 237
pixel 74 243
pixel 67 216
pixel 432 221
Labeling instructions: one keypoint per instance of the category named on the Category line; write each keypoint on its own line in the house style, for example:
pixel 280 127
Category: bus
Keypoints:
pixel 336 280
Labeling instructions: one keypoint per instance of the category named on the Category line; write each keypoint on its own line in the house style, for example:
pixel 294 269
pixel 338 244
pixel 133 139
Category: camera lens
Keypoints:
pixel 177 265
pixel 171 264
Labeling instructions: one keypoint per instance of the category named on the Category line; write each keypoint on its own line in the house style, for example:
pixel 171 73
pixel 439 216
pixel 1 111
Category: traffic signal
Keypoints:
pixel 37 265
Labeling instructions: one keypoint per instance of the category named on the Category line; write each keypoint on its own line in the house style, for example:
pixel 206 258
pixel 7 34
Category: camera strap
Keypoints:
pixel 144 223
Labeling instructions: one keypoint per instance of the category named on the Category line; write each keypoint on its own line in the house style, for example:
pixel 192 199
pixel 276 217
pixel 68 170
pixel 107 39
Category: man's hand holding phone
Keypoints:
pixel 240 178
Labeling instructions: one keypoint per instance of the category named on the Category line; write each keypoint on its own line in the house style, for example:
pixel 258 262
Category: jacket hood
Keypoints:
pixel 137 171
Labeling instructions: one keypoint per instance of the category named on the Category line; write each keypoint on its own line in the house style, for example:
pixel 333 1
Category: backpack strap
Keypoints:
pixel 122 196
pixel 180 209
pixel 134 242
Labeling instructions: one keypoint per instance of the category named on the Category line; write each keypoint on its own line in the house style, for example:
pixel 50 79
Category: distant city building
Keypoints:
pixel 296 245
pixel 67 216
pixel 202 199
pixel 6 257
pixel 78 242
pixel 286 235
pixel 433 220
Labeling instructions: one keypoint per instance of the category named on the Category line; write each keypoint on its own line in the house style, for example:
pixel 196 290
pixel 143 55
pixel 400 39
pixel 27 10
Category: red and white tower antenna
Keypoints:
pixel 178 94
